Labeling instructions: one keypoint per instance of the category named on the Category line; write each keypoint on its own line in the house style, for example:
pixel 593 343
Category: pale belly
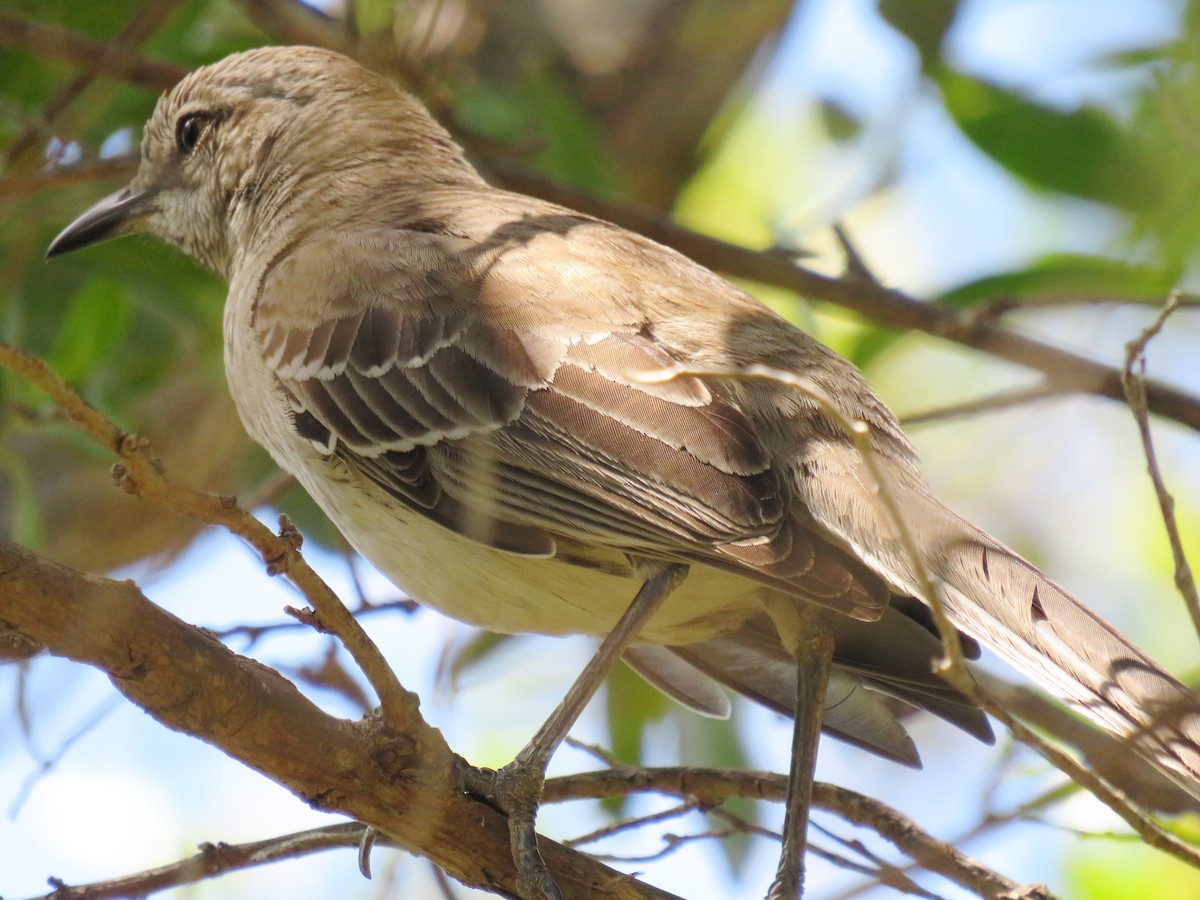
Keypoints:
pixel 504 592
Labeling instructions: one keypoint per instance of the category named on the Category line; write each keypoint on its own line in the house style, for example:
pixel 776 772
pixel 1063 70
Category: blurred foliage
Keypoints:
pixel 648 101
pixel 1116 870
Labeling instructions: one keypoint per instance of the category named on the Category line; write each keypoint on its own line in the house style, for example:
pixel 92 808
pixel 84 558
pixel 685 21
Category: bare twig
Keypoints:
pixel 880 870
pixel 595 751
pixel 253 633
pixel 859 433
pixel 20 184
pixel 633 823
pixel 712 786
pixel 140 473
pixel 101 712
pixel 1002 305
pixel 143 24
pixel 856 266
pixel 212 860
pixel 1133 379
pixel 55 42
pixel 991 403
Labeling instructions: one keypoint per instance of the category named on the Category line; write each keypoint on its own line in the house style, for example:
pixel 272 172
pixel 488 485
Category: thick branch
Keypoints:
pixel 398 779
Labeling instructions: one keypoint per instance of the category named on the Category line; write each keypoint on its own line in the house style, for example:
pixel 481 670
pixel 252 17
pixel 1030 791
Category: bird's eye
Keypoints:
pixel 188 131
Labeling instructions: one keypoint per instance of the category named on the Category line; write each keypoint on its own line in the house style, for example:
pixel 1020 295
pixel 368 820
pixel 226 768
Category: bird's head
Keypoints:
pixel 241 142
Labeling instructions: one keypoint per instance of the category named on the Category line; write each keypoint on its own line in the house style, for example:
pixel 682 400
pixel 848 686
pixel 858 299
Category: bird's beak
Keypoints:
pixel 113 216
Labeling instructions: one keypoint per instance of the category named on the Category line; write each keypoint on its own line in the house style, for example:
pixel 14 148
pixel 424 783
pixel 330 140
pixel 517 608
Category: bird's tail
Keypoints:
pixel 1002 600
pixel 996 596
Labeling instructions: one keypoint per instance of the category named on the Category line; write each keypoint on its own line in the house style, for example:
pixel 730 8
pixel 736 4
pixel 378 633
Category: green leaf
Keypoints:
pixel 92 327
pixel 492 111
pixel 572 141
pixel 871 345
pixel 1081 152
pixel 839 122
pixel 479 647
pixel 631 705
pixel 374 15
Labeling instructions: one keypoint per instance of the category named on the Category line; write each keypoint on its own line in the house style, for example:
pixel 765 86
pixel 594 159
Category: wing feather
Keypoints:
pixel 492 425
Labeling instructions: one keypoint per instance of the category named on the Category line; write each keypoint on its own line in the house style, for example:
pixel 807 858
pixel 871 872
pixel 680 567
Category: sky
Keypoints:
pixel 140 796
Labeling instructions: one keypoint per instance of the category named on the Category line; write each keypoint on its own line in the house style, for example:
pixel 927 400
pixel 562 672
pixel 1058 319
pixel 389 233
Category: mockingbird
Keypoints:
pixel 536 421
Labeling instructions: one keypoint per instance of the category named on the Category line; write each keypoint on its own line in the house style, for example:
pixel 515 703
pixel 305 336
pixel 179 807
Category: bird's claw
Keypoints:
pixel 516 790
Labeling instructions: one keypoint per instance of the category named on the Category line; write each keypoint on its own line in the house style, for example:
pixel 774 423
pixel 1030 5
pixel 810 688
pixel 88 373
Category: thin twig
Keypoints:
pixel 859 432
pixel 713 786
pixel 212 860
pixel 141 474
pixel 1134 383
pixel 50 41
pixel 595 751
pixel 632 823
pixel 991 403
pixel 99 714
pixel 140 27
pixel 21 184
pixel 253 633
pixel 986 824
pixel 856 266
pixel 882 872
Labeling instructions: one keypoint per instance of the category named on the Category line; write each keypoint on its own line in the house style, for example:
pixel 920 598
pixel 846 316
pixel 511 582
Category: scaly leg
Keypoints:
pixel 517 788
pixel 808 638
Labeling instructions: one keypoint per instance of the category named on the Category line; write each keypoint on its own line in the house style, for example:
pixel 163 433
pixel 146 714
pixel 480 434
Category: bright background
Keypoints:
pixel 1061 481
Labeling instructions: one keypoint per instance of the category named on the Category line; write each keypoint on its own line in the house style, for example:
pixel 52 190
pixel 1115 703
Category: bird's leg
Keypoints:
pixel 517 788
pixel 807 637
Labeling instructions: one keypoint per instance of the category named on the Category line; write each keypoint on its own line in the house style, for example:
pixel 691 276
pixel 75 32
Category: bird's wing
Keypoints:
pixel 441 377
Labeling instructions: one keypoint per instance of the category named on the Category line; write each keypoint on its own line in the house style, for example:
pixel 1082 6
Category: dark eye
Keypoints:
pixel 188 131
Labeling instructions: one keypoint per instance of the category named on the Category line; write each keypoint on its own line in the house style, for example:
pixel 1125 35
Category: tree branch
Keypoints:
pixel 400 780
pixel 212 860
pixel 141 474
pixel 1134 384
pixel 712 786
pixel 55 42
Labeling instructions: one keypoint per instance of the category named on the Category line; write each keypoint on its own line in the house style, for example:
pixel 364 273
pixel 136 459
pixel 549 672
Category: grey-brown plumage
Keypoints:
pixel 466 380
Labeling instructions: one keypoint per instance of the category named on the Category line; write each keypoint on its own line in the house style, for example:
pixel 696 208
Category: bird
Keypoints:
pixel 536 421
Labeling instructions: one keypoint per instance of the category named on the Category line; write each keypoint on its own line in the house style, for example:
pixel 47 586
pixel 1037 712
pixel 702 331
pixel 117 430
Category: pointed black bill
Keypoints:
pixel 107 219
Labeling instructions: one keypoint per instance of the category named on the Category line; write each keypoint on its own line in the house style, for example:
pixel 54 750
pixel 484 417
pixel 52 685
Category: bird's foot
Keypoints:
pixel 516 790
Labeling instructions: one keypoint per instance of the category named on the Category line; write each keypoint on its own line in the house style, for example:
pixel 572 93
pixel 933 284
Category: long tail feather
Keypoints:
pixel 999 598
